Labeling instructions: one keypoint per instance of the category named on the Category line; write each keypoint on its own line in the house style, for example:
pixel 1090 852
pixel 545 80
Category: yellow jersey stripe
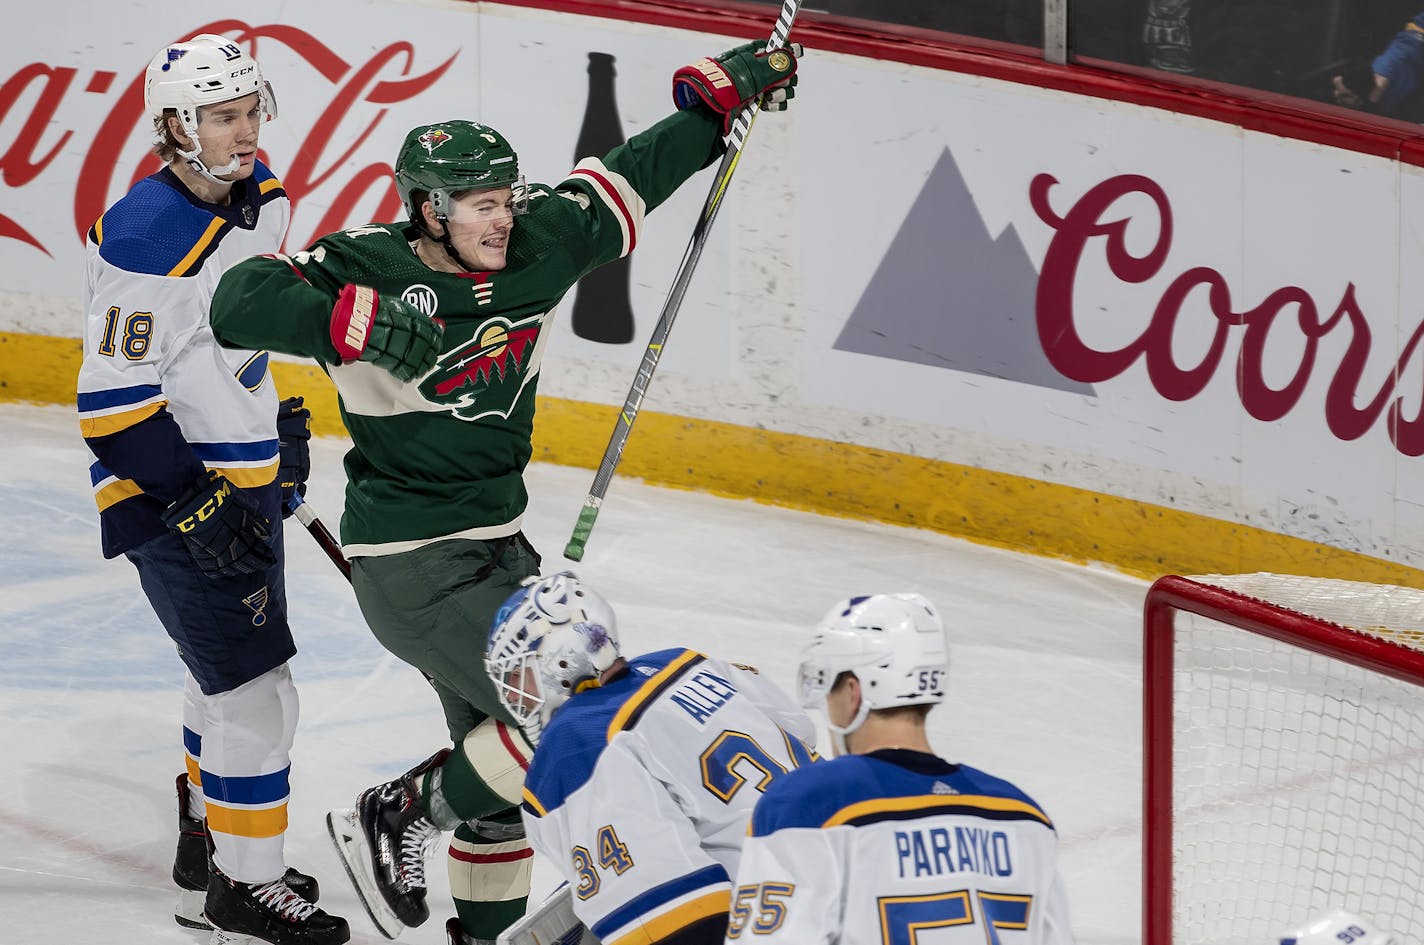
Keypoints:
pixel 198 248
pixel 108 423
pixel 929 801
pixel 116 492
pixel 674 920
pixel 650 690
pixel 249 477
pixel 99 230
pixel 269 185
pixel 533 802
pixel 255 824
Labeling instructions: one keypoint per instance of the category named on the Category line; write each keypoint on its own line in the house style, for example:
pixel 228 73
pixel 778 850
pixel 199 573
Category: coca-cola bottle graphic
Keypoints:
pixel 603 310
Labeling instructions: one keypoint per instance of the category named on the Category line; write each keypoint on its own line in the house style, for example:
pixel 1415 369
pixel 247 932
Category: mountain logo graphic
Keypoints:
pixel 948 294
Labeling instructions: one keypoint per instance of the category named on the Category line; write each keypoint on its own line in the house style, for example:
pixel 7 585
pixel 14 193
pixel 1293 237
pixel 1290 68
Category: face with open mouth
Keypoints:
pixel 480 222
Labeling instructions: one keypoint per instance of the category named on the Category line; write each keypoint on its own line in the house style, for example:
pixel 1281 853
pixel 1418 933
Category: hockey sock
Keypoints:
pixel 489 877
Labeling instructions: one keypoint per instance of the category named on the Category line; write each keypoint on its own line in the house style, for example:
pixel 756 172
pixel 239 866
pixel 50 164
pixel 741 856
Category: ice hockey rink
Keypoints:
pixel 1044 679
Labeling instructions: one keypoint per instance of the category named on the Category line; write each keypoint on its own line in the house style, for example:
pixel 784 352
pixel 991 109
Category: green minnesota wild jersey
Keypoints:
pixel 443 456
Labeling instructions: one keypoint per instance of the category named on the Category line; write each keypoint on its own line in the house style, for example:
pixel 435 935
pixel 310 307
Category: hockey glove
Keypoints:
pixel 224 531
pixel 387 332
pixel 727 83
pixel 294 463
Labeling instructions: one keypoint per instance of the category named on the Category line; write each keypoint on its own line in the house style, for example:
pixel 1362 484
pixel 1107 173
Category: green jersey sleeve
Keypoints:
pixel 283 303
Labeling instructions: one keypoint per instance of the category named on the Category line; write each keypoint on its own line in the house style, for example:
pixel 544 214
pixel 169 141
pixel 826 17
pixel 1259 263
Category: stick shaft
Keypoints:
pixel 324 538
pixel 613 453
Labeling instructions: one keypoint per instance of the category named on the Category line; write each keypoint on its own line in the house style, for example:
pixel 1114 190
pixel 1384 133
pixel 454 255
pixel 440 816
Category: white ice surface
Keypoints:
pixel 1045 679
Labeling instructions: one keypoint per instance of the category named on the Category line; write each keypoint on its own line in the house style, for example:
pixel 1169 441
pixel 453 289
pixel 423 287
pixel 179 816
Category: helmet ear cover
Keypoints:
pixel 443 161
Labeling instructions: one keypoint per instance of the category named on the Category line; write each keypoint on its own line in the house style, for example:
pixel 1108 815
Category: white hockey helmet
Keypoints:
pixel 1338 927
pixel 548 638
pixel 895 645
pixel 208 69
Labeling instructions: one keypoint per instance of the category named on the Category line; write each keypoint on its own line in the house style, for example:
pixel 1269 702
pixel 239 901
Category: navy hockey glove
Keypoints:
pixel 728 82
pixel 294 463
pixel 224 531
pixel 389 333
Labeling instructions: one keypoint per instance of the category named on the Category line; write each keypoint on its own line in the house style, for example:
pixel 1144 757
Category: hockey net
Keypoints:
pixel 1284 756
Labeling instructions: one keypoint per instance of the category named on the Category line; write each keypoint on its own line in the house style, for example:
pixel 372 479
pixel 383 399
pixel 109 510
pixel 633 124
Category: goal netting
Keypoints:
pixel 1284 756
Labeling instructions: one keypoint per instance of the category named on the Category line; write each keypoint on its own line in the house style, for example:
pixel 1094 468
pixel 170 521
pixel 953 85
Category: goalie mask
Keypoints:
pixel 550 639
pixel 206 70
pixel 1338 926
pixel 895 645
pixel 449 158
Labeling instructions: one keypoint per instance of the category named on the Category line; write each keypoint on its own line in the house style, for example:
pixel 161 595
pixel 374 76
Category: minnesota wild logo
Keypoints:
pixel 433 139
pixel 485 376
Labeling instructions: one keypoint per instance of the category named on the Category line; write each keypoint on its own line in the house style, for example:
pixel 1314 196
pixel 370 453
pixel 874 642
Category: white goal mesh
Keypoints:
pixel 1284 743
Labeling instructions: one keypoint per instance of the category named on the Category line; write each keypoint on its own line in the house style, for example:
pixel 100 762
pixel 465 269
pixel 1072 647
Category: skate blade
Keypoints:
pixel 189 911
pixel 351 843
pixel 224 937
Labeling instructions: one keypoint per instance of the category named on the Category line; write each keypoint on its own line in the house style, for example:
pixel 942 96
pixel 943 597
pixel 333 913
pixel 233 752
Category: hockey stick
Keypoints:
pixel 324 538
pixel 613 453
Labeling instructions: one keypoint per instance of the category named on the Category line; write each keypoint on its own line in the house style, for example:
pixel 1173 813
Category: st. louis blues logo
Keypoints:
pixel 257 603
pixel 433 139
pixel 485 376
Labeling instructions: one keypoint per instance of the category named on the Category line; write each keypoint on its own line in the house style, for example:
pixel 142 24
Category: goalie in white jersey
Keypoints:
pixel 891 843
pixel 646 768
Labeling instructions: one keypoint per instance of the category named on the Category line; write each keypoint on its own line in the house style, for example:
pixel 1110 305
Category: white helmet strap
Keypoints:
pixel 839 732
pixel 196 163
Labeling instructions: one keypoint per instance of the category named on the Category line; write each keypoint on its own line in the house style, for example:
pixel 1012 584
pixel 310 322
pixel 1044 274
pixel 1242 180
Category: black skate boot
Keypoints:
pixel 455 935
pixel 271 913
pixel 383 843
pixel 190 868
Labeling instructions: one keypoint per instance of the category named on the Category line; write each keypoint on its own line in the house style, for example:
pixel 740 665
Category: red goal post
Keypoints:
pixel 1283 748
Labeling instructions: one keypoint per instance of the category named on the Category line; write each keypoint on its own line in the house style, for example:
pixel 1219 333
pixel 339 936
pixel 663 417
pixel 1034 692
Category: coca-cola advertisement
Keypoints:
pixel 74 134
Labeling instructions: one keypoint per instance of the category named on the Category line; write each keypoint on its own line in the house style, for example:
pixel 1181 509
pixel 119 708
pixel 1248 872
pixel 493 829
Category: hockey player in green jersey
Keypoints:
pixel 433 331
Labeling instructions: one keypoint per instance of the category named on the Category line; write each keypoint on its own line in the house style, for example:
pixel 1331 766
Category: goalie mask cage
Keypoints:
pixel 1283 730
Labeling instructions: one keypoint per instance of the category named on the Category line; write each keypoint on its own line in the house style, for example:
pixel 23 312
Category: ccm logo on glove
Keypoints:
pixel 219 496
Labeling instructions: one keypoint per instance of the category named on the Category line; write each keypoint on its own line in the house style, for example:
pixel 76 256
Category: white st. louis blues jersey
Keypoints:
pixel 641 790
pixel 898 847
pixel 159 399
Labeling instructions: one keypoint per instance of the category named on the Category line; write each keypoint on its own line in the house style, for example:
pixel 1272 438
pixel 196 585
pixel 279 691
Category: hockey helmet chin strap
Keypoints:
pixel 452 251
pixel 196 164
pixel 839 732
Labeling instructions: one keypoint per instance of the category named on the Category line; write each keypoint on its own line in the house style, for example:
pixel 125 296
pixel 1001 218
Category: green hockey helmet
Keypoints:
pixel 451 157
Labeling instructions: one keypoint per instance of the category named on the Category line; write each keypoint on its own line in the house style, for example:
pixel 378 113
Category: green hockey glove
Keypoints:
pixel 389 333
pixel 728 82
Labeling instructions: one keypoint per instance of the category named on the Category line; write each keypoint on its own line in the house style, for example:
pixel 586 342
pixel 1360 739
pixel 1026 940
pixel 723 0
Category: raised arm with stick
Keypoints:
pixel 739 127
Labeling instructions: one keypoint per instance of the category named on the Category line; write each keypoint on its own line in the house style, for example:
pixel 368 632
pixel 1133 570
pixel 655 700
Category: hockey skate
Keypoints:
pixel 190 868
pixel 267 914
pixel 383 842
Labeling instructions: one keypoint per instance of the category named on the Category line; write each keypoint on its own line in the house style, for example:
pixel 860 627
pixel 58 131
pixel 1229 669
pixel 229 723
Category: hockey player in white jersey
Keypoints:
pixel 194 456
pixel 890 841
pixel 645 768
